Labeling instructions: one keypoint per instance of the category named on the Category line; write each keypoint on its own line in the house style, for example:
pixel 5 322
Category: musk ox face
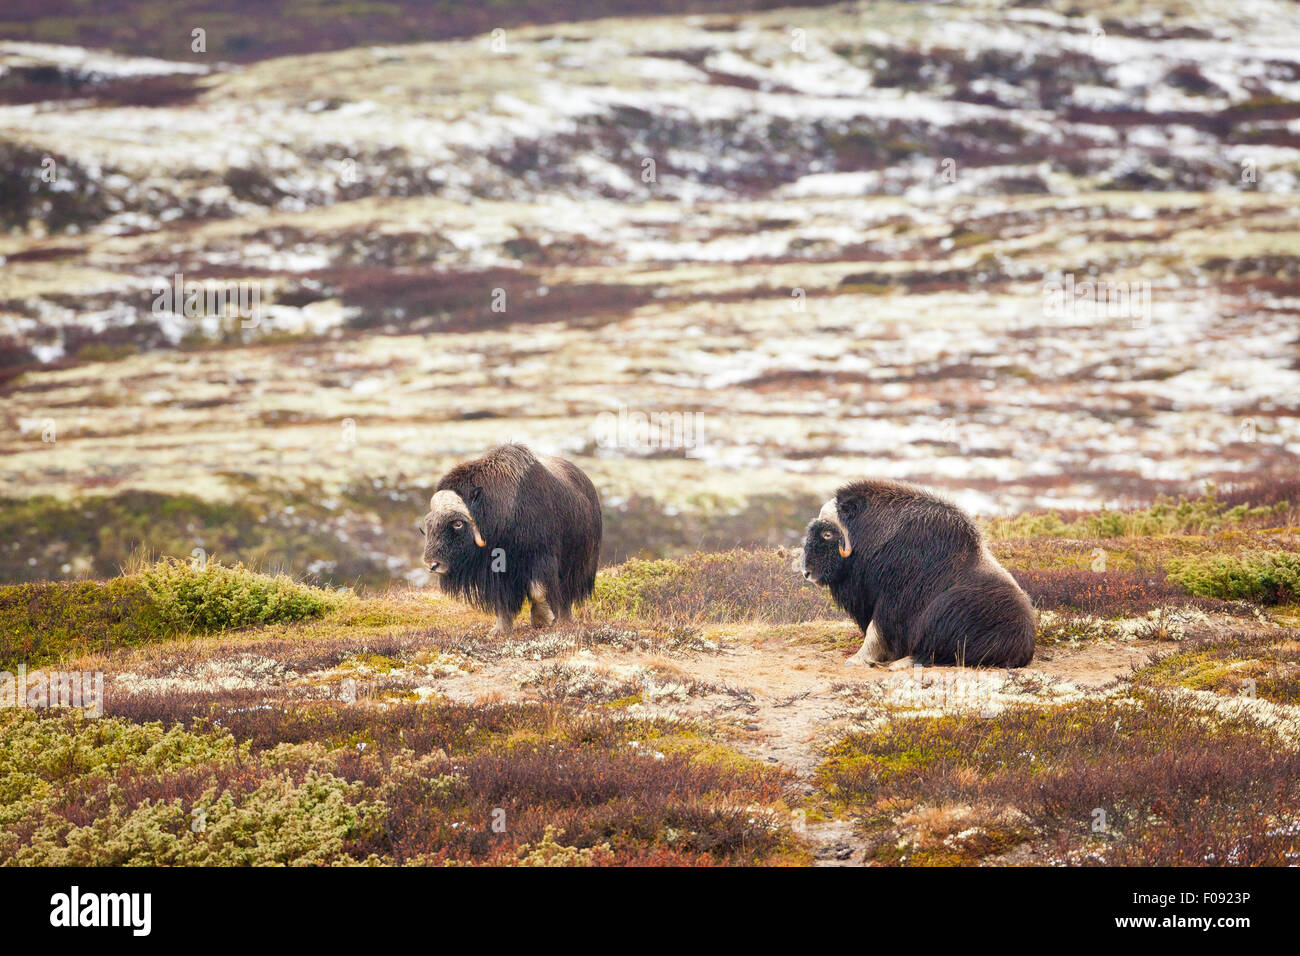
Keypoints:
pixel 827 547
pixel 822 561
pixel 451 538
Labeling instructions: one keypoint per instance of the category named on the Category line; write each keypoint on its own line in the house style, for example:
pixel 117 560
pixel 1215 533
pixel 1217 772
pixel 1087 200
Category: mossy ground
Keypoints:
pixel 1264 665
pixel 1143 778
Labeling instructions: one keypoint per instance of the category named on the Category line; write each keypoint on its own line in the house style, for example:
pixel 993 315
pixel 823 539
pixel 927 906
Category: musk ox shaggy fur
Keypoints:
pixel 915 574
pixel 512 525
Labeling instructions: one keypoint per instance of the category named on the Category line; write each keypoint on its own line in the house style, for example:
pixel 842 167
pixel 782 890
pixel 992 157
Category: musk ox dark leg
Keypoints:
pixel 542 614
pixel 564 614
pixel 873 650
pixel 504 625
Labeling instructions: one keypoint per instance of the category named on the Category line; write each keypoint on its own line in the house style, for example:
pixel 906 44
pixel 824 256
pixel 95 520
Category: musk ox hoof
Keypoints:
pixel 542 616
pixel 902 664
pixel 861 660
pixel 500 629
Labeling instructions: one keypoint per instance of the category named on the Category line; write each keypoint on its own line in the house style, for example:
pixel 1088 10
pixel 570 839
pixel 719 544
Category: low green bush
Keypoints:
pixel 42 622
pixel 1267 577
pixel 1199 515
pixel 218 597
pixel 46 752
pixel 281 823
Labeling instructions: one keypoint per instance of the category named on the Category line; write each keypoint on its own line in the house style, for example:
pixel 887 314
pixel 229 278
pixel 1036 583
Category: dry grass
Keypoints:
pixel 754 586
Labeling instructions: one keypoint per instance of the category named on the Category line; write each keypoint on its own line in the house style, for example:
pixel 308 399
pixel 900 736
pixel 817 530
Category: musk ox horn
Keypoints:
pixel 448 502
pixel 830 513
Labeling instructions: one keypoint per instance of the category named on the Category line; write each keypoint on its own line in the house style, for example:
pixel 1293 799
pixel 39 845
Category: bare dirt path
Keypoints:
pixel 786 697
pixel 782 702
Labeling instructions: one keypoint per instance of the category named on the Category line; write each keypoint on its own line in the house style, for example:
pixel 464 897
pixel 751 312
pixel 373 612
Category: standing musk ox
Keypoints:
pixel 512 525
pixel 915 574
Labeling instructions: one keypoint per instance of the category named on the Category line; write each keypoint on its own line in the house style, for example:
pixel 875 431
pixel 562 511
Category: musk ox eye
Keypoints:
pixel 828 535
pixel 458 525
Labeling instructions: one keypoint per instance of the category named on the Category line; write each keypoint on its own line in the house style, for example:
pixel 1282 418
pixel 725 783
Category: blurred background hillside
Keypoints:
pixel 823 241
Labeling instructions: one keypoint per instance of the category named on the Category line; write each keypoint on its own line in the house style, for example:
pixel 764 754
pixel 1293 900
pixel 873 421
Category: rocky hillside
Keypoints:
pixel 1033 254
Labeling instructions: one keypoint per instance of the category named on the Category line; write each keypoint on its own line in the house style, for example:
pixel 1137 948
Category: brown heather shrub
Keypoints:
pixel 188 707
pixel 1266 492
pixel 443 769
pixel 731 586
pixel 1105 593
pixel 1178 786
pixel 592 792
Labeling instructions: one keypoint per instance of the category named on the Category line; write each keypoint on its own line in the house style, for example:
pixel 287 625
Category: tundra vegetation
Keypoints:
pixel 837 260
pixel 696 713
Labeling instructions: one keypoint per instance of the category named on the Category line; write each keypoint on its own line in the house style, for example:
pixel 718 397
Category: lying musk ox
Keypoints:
pixel 512 525
pixel 913 571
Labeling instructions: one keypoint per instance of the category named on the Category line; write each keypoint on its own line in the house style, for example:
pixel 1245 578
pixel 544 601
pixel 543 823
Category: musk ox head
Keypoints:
pixel 451 537
pixel 827 546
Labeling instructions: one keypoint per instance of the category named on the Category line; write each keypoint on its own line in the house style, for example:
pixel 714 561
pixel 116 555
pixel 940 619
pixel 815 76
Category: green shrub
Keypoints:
pixel 1267 577
pixel 217 597
pixel 44 753
pixel 51 762
pixel 42 622
pixel 1199 515
pixel 281 823
pixel 624 590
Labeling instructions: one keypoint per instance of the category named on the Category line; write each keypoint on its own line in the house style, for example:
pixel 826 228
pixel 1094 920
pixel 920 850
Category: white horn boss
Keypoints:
pixel 448 502
pixel 831 514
